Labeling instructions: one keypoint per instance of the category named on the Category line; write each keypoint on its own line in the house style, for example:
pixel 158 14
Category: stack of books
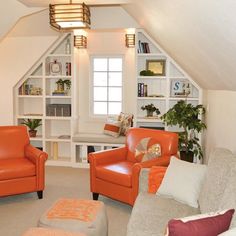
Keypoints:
pixel 143 47
pixel 142 90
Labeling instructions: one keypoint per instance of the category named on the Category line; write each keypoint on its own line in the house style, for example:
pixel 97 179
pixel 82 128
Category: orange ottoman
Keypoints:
pixel 77 215
pixel 49 232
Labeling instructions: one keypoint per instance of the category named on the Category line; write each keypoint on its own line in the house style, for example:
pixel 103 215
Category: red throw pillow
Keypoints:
pixel 155 177
pixel 210 225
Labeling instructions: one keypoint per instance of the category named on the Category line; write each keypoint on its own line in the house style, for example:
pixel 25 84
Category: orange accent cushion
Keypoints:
pixel 78 209
pixel 155 177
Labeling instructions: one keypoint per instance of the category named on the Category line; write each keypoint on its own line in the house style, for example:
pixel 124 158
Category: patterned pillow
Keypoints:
pixel 112 129
pixel 147 149
pixel 126 120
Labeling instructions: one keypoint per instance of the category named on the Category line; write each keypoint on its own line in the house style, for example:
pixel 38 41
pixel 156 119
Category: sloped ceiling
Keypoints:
pixel 199 35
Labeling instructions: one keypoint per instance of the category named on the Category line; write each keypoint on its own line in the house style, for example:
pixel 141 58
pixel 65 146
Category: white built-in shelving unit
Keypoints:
pixel 34 94
pixel 160 88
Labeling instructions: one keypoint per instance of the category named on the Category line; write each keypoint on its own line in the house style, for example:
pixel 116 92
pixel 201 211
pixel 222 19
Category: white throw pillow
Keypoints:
pixel 183 181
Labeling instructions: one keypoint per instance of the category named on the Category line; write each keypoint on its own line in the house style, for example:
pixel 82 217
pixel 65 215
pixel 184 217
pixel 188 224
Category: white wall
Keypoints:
pixel 221 120
pixel 103 43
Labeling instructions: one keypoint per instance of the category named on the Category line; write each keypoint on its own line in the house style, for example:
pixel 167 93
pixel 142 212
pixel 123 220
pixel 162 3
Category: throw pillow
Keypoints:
pixel 211 224
pixel 112 129
pixel 155 177
pixel 147 149
pixel 183 181
pixel 126 120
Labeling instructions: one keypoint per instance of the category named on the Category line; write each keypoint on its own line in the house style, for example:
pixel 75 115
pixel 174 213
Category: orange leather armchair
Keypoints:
pixel 115 173
pixel 21 164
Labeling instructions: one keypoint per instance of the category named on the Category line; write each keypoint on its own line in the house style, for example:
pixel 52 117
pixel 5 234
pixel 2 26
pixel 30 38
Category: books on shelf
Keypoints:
pixel 143 47
pixel 142 90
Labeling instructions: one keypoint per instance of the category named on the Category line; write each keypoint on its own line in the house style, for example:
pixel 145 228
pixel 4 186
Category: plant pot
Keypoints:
pixel 149 113
pixel 60 87
pixel 32 133
pixel 186 156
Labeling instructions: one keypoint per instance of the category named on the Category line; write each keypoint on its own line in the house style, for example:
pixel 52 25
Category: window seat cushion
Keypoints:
pixel 97 138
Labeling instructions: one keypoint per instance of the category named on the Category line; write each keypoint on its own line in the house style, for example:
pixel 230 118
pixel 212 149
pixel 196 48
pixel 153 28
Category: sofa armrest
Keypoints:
pixel 37 157
pixel 107 156
pixel 143 180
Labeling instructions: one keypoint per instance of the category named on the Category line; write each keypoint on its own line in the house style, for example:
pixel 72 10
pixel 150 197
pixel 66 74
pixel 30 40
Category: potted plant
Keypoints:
pixel 150 108
pixel 187 117
pixel 32 124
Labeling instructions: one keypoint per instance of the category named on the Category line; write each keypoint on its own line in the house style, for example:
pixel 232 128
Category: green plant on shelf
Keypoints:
pixel 150 108
pixel 32 124
pixel 146 73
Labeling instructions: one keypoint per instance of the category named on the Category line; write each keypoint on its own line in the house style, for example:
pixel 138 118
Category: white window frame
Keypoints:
pixel 91 96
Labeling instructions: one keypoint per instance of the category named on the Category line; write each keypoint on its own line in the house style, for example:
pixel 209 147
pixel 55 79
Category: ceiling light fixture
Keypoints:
pixel 80 41
pixel 130 40
pixel 69 16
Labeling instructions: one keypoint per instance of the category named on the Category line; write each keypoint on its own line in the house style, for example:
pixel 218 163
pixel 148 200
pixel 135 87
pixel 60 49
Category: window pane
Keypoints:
pixel 100 94
pixel 100 64
pixel 115 64
pixel 115 94
pixel 100 79
pixel 115 79
pixel 114 108
pixel 100 108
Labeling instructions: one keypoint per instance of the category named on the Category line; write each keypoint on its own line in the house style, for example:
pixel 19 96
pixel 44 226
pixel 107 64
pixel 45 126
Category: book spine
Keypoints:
pixel 142 90
pixel 139 89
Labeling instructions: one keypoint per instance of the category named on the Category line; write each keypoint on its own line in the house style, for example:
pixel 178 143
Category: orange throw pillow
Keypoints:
pixel 155 177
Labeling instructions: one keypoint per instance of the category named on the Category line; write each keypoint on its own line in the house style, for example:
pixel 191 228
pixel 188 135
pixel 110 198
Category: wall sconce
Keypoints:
pixel 80 41
pixel 130 40
pixel 69 16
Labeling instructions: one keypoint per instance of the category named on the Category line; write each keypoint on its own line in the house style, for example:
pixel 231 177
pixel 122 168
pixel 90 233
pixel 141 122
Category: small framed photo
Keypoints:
pixel 180 88
pixel 158 67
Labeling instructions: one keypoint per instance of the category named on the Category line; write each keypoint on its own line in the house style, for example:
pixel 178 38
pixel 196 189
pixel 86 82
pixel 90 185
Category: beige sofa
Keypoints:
pixel 151 213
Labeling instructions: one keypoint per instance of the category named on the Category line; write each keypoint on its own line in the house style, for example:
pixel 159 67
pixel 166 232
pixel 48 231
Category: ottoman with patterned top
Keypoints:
pixel 77 215
pixel 49 232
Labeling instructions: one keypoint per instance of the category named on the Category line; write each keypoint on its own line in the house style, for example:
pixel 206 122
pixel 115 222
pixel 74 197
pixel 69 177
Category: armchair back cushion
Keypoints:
pixel 167 140
pixel 10 148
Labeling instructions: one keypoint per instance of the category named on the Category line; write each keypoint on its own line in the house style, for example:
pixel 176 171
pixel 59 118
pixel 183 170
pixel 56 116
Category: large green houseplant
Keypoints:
pixel 187 116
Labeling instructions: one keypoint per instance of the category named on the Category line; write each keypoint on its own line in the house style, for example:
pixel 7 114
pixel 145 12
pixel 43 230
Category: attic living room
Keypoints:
pixel 117 118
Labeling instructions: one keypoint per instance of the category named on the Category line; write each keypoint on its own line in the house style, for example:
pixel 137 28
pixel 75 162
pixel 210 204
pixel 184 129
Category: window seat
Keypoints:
pixel 85 143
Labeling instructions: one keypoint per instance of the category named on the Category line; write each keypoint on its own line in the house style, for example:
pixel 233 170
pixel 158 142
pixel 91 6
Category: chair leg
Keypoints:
pixel 40 194
pixel 95 196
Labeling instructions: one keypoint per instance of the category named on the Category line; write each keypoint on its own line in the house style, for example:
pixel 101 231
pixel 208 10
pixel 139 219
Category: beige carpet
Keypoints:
pixel 18 213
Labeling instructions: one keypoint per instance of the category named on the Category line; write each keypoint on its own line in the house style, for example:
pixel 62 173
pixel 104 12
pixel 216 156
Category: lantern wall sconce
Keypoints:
pixel 130 40
pixel 80 41
pixel 69 16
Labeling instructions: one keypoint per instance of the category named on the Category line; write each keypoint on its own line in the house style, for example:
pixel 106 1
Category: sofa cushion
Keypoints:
pixel 118 173
pixel 151 214
pixel 16 168
pixel 229 197
pixel 219 165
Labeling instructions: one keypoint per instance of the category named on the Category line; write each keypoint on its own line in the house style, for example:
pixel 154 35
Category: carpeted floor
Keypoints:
pixel 18 213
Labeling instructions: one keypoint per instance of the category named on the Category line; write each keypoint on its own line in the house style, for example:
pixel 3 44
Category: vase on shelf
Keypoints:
pixel 149 113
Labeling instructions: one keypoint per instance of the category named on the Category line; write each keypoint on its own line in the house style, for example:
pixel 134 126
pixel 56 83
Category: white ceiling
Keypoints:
pixel 199 35
pixel 45 3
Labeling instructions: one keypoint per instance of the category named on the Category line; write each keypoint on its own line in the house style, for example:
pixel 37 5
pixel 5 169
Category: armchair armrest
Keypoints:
pixel 107 156
pixel 37 157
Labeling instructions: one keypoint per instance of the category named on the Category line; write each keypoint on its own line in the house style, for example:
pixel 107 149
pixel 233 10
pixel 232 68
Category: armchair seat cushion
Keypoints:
pixel 13 168
pixel 117 173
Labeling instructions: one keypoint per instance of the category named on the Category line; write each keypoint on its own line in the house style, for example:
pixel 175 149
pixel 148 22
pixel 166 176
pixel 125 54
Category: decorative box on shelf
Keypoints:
pixel 58 110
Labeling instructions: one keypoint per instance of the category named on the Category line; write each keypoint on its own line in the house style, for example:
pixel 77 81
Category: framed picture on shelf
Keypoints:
pixel 158 67
pixel 180 88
